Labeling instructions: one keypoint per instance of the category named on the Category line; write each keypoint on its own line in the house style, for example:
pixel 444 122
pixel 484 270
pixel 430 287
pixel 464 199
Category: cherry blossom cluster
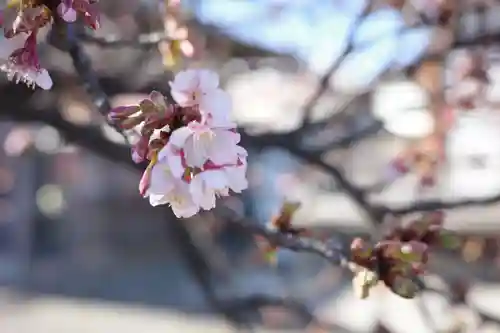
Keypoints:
pixel 399 257
pixel 190 143
pixel 21 22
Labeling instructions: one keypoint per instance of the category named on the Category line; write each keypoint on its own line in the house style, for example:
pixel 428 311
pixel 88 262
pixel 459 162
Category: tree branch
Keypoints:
pixel 330 252
pixel 324 84
pixel 89 137
pixel 375 214
pixel 428 206
pixel 65 37
pixel 115 41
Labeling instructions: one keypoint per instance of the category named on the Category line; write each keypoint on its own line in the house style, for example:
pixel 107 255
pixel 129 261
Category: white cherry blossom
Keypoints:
pixel 180 200
pixel 19 60
pixel 206 186
pixel 209 184
pixel 194 86
pixel 200 87
pixel 199 143
pixel 201 159
pixel 162 188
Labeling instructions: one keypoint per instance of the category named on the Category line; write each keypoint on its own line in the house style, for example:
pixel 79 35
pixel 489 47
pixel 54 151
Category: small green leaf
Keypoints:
pixel 449 241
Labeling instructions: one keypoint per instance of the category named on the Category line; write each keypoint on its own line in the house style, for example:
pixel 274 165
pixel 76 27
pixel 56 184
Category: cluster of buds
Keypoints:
pixel 190 143
pixel 21 21
pixel 398 258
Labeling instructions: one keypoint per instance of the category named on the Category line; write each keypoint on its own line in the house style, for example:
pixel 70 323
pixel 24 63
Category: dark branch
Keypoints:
pixel 65 37
pixel 89 137
pixel 324 84
pixel 114 41
pixel 375 214
pixel 330 252
pixel 428 206
pixel 349 140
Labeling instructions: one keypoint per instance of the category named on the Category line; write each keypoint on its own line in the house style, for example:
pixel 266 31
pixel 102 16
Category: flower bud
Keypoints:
pixel 404 287
pixel 359 249
pixel 283 221
pixel 363 281
pixel 140 150
pixel 155 122
pixel 131 122
pixel 122 112
pixel 147 106
pixel 145 181
pixel 414 251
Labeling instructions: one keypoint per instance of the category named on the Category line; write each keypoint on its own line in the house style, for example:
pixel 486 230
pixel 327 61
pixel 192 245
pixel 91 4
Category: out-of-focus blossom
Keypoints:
pixel 397 167
pixel 191 144
pixel 66 11
pixel 26 20
pixel 23 64
pixel 69 9
pixel 179 45
pixel 23 19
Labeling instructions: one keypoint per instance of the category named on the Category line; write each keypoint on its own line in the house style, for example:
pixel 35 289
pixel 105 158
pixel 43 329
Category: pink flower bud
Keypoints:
pixel 140 150
pixel 145 181
pixel 122 112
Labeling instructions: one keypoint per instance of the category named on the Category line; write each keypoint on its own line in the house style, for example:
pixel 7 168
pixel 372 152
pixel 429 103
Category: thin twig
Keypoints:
pixel 83 67
pixel 92 138
pixel 375 214
pixel 324 83
pixel 334 255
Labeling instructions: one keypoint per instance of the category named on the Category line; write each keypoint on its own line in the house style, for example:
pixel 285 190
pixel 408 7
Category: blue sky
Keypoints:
pixel 315 31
